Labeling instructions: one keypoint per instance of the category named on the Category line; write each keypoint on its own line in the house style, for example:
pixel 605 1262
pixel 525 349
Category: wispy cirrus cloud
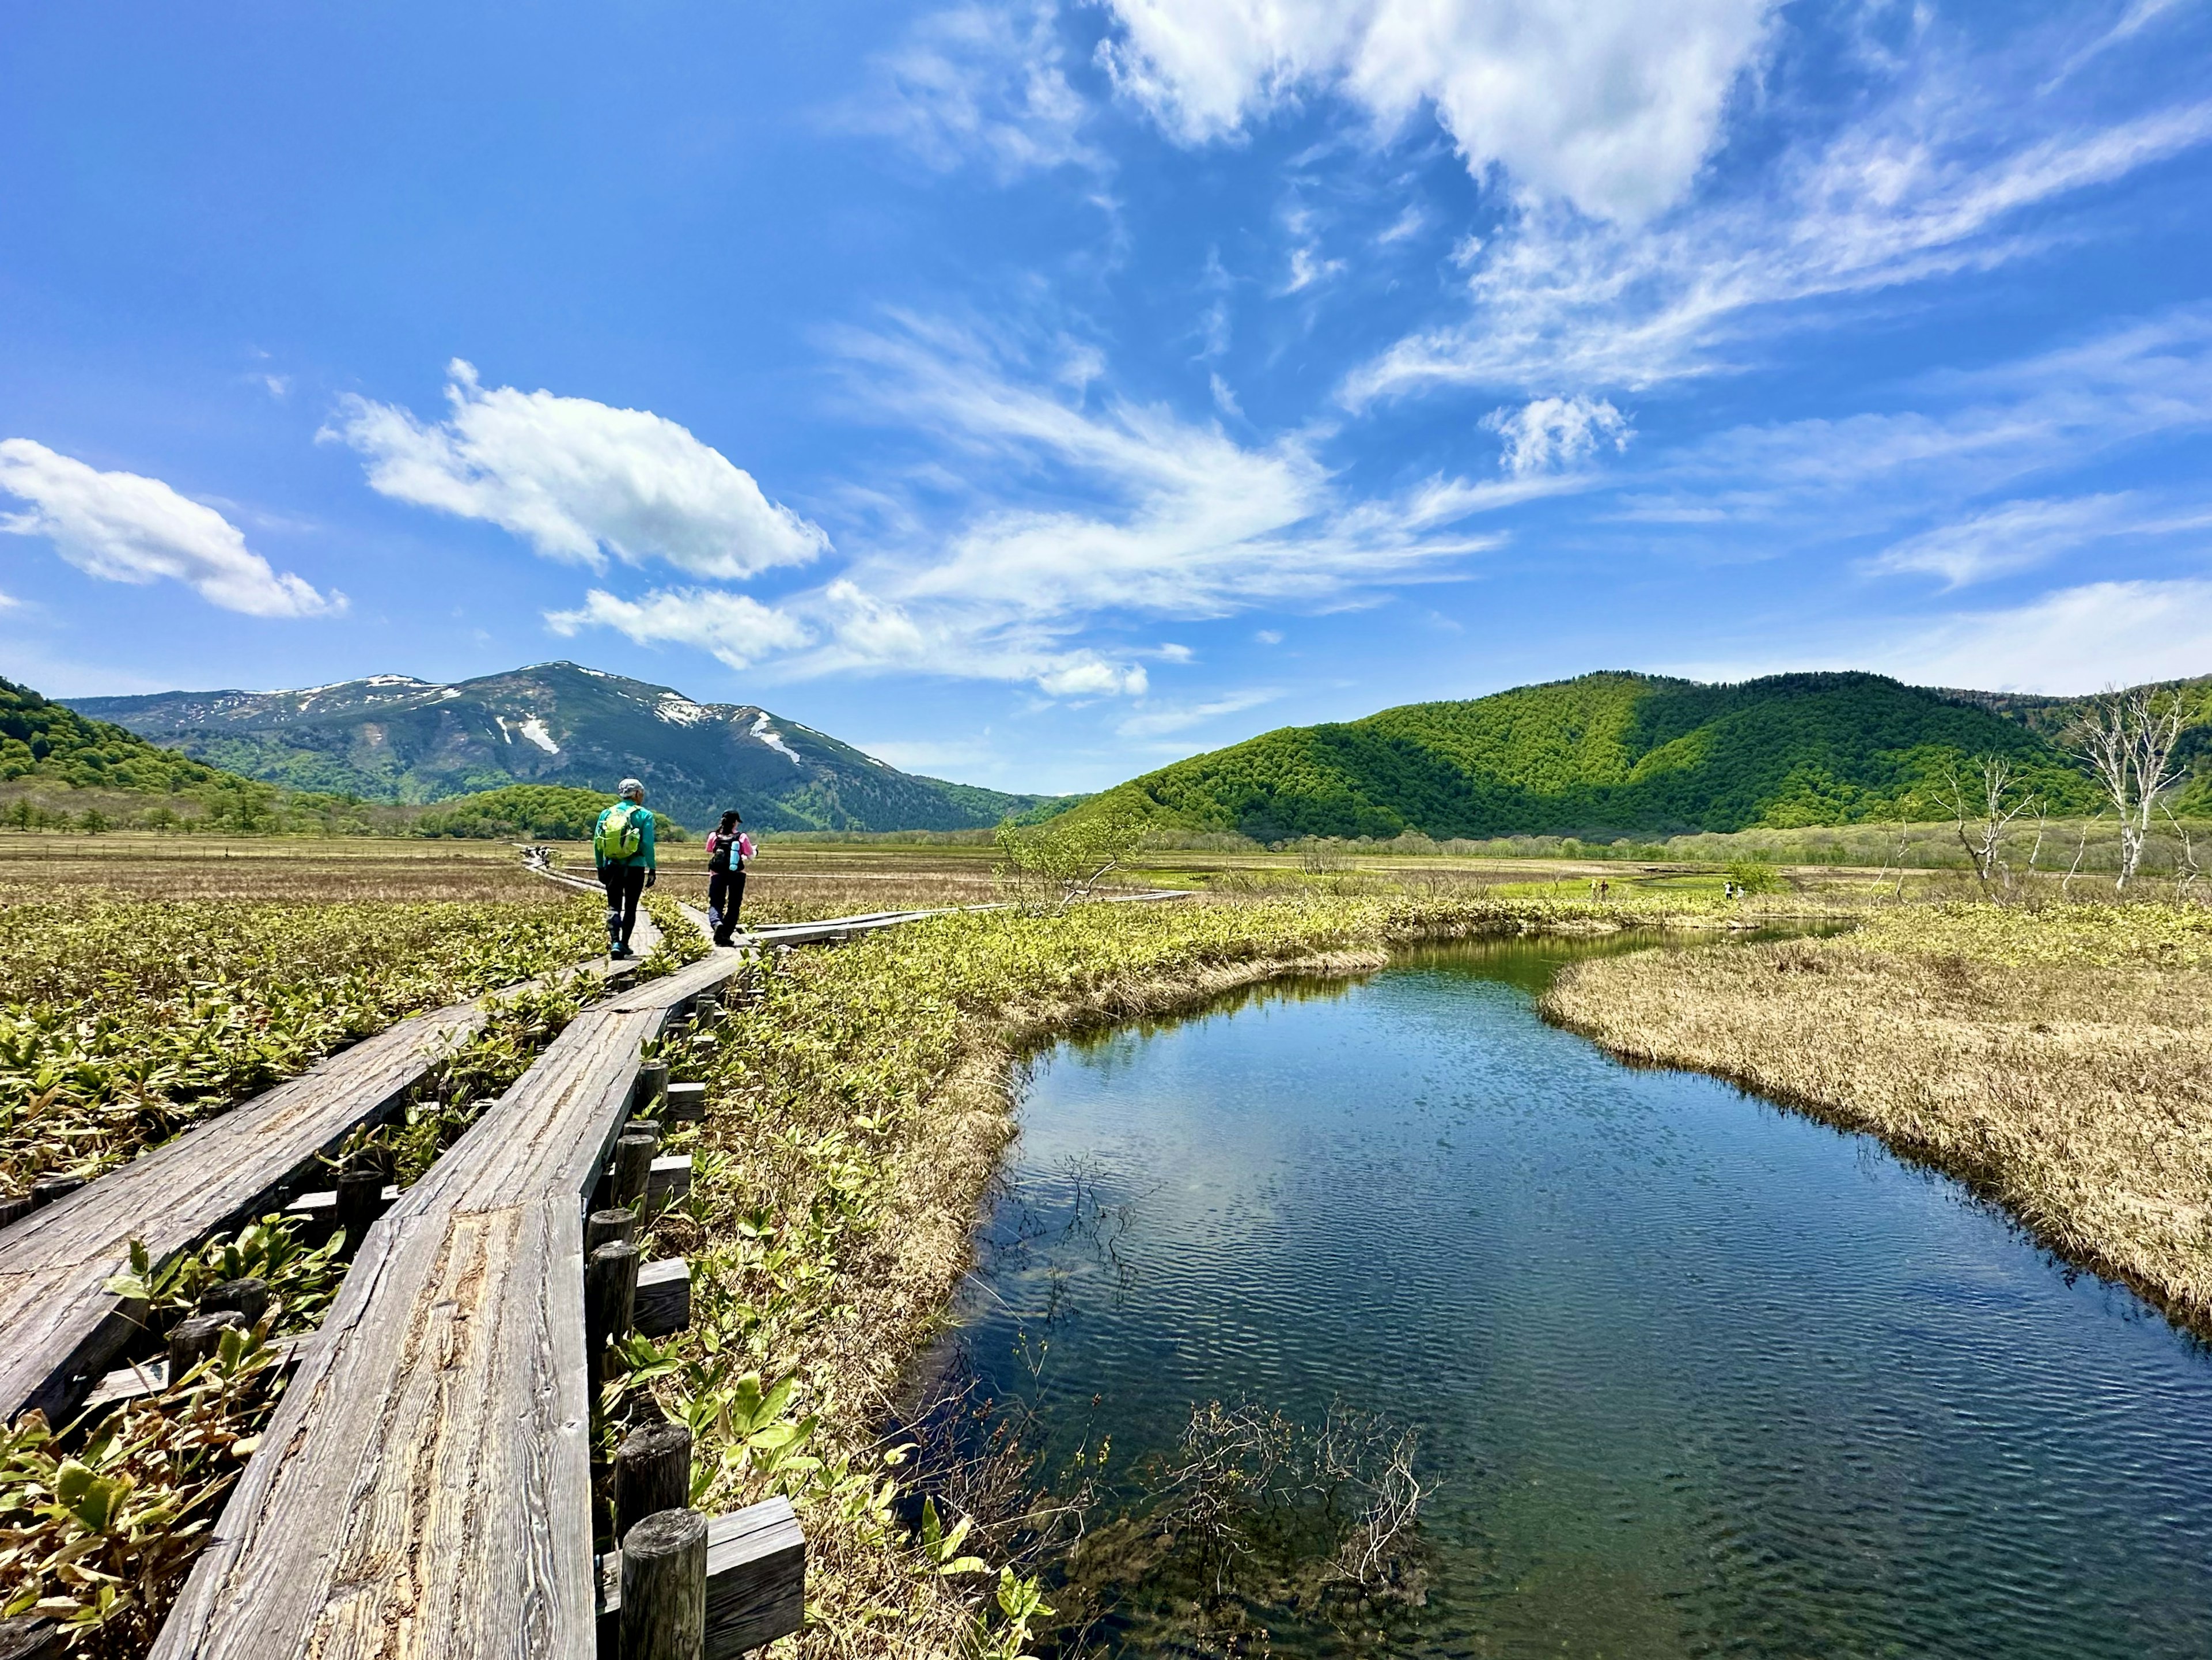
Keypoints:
pixel 1163 720
pixel 579 480
pixel 1936 182
pixel 124 528
pixel 2013 536
pixel 979 83
pixel 1962 438
pixel 1103 514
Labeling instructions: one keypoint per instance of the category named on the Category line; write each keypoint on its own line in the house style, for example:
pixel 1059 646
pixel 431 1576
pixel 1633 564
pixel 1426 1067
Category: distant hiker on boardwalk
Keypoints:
pixel 622 842
pixel 727 850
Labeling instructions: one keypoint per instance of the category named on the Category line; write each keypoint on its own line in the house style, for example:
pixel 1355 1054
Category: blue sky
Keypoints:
pixel 1031 394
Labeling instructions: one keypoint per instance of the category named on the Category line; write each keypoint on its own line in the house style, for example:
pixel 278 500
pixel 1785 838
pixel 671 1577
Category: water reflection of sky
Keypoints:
pixel 1694 1375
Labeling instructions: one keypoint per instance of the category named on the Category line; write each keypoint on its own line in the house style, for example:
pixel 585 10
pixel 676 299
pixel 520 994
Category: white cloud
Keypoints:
pixel 1411 223
pixel 9 602
pixel 2016 536
pixel 1550 433
pixel 579 479
pixel 1974 435
pixel 1308 266
pixel 2072 641
pixel 1157 722
pixel 1610 105
pixel 983 83
pixel 1223 399
pixel 122 527
pixel 1936 180
pixel 1117 513
pixel 735 626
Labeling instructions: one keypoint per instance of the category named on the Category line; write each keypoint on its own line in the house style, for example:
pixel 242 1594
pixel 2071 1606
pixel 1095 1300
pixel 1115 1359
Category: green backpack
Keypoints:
pixel 618 836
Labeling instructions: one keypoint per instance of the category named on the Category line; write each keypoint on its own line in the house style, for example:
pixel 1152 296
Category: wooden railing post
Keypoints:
pixel 664 1587
pixel 605 1227
pixel 633 1169
pixel 653 1471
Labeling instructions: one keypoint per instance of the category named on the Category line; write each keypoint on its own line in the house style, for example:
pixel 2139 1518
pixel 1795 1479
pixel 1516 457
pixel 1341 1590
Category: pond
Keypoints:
pixel 1684 1374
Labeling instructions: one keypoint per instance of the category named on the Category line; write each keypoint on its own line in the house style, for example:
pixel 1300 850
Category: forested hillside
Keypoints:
pixel 40 739
pixel 1607 755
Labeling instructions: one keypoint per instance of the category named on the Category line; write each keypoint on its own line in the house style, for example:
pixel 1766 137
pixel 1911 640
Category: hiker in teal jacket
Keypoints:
pixel 622 842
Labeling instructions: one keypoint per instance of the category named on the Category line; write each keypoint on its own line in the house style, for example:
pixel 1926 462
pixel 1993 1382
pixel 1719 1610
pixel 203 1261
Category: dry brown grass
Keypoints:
pixel 2075 1092
pixel 250 868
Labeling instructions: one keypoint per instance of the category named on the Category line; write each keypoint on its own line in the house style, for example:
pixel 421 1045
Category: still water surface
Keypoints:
pixel 1691 1375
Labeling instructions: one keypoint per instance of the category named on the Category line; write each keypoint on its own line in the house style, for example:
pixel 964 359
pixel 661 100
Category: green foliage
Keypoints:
pixel 545 812
pixel 1752 876
pixel 122 1023
pixel 301 1280
pixel 100 1538
pixel 39 739
pixel 1065 858
pixel 1604 755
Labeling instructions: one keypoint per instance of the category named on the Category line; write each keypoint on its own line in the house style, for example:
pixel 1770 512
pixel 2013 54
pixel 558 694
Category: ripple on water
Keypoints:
pixel 1692 1376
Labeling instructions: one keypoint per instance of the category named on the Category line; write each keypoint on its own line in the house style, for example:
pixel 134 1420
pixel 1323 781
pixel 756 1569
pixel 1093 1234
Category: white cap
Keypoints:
pixel 631 786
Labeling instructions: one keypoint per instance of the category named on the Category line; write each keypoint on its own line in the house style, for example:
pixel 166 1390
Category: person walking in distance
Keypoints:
pixel 727 850
pixel 622 842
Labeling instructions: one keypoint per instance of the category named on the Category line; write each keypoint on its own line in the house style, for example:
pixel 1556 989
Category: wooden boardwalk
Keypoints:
pixel 64 1328
pixel 424 1488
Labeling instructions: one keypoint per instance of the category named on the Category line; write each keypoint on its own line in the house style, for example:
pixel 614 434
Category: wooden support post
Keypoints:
pixel 13 1210
pixel 755 1582
pixel 632 1168
pixel 686 1103
pixel 645 1127
pixel 28 1638
pixel 360 1202
pixel 47 1188
pixel 610 1295
pixel 653 1471
pixel 666 1181
pixel 604 1227
pixel 652 1079
pixel 248 1298
pixel 195 1339
pixel 664 1587
pixel 664 1297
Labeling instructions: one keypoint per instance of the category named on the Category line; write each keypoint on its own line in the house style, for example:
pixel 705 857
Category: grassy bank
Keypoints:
pixel 2059 1061
pixel 857 1116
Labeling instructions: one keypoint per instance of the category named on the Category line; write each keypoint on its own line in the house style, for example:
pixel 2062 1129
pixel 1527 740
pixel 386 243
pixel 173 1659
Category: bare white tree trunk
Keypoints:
pixel 2126 739
pixel 1983 809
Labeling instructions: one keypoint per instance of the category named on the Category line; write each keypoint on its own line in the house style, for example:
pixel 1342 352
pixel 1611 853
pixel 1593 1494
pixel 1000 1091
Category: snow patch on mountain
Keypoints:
pixel 770 736
pixel 534 730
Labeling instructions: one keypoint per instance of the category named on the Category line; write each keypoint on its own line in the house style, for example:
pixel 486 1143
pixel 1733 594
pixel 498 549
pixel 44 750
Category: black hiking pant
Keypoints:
pixel 624 884
pixel 726 891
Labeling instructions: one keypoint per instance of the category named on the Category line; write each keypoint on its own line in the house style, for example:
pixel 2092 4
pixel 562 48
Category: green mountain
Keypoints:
pixel 43 740
pixel 390 737
pixel 1606 756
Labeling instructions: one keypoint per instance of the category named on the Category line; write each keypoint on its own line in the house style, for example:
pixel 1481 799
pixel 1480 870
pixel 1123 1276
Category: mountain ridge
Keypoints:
pixel 1620 753
pixel 394 738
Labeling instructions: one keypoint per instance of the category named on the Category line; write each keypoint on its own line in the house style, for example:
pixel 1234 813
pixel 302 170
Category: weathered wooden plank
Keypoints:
pixel 424 1487
pixel 663 1300
pixel 756 1580
pixel 65 1330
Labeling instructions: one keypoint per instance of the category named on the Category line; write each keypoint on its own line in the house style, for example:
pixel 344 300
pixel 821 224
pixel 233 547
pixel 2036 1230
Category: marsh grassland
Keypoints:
pixel 860 1106
pixel 2057 1059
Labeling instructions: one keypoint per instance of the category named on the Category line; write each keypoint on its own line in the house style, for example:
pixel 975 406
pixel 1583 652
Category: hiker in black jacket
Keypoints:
pixel 727 850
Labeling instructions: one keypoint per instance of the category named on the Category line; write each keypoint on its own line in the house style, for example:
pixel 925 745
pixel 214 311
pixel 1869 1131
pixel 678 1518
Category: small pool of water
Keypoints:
pixel 1688 1375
